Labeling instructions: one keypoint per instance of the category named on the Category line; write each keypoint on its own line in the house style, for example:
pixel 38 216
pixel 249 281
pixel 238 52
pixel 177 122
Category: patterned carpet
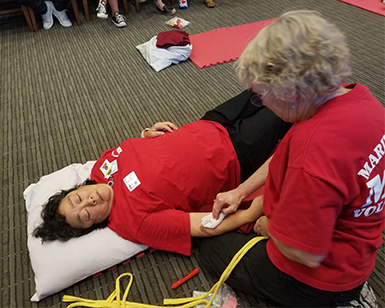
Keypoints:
pixel 68 94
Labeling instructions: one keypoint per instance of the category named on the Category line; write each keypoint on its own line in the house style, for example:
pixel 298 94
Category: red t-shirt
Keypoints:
pixel 325 191
pixel 160 180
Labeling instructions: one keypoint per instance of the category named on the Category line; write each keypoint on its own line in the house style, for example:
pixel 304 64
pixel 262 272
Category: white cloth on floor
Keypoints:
pixel 209 222
pixel 160 58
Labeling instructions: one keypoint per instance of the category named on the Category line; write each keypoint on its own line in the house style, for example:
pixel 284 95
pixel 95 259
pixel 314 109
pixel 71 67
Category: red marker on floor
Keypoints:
pixel 185 278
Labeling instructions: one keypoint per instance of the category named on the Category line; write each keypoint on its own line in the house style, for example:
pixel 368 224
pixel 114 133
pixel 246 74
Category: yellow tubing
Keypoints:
pixel 114 301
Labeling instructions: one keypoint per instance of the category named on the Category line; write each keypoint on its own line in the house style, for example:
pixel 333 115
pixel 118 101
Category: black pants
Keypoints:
pixel 256 275
pixel 40 7
pixel 254 131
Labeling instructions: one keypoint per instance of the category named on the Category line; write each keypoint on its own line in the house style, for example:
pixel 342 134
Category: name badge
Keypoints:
pixel 108 168
pixel 131 181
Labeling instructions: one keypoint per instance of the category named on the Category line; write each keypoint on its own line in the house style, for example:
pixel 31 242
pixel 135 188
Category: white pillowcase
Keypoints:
pixel 58 265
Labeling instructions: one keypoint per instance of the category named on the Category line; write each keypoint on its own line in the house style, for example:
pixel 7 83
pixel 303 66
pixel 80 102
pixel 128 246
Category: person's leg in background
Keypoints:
pixel 59 11
pixel 118 19
pixel 165 9
pixel 101 10
pixel 44 8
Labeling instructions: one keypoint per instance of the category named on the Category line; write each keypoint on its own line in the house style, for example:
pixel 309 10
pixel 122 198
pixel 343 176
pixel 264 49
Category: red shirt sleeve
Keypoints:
pixel 167 230
pixel 304 220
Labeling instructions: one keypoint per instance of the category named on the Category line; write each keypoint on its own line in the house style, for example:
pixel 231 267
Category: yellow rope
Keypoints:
pixel 114 301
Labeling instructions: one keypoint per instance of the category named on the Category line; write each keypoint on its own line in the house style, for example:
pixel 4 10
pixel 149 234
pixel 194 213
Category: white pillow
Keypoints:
pixel 58 265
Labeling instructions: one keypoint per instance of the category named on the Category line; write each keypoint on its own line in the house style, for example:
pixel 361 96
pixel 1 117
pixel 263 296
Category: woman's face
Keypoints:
pixel 87 205
pixel 284 108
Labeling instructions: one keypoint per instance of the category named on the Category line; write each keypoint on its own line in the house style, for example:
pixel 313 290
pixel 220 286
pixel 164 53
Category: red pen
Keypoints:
pixel 185 278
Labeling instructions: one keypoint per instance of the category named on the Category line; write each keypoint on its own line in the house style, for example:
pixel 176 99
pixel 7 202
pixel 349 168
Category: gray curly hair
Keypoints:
pixel 300 54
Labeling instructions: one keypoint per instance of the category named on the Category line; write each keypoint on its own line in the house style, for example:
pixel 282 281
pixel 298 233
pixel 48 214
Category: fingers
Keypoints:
pixel 260 226
pixel 159 128
pixel 171 125
pixel 164 127
pixel 220 205
pixel 257 228
pixel 216 209
pixel 229 209
pixel 226 203
pixel 156 134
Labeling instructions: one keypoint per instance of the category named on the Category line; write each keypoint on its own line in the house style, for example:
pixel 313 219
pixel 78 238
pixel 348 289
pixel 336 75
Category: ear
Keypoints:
pixel 292 99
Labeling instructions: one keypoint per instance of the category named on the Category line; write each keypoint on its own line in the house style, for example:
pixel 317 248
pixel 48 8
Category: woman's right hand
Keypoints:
pixel 226 202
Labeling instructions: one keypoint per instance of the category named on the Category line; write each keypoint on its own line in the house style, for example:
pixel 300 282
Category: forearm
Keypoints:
pixel 231 222
pixel 255 181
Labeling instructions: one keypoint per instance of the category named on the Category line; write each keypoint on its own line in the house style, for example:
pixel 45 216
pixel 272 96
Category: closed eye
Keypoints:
pixel 88 213
pixel 80 199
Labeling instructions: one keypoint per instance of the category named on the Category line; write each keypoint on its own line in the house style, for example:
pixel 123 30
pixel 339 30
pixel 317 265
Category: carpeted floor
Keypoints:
pixel 68 94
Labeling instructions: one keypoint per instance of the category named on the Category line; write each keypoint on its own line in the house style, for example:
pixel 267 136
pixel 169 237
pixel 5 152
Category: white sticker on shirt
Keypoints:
pixel 108 168
pixel 131 181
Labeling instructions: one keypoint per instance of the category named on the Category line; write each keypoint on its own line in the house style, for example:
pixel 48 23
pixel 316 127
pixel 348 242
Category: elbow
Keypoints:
pixel 204 232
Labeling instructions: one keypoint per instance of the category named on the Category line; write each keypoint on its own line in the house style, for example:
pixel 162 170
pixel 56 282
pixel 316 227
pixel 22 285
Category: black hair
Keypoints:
pixel 54 225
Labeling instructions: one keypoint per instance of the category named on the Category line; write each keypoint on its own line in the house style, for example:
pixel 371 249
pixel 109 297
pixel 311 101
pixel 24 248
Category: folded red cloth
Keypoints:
pixel 172 38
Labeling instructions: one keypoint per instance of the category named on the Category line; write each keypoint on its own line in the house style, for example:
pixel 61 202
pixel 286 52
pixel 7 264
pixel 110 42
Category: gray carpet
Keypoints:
pixel 57 85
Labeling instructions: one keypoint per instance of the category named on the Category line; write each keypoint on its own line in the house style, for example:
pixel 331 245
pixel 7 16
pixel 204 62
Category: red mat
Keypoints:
pixel 375 6
pixel 224 44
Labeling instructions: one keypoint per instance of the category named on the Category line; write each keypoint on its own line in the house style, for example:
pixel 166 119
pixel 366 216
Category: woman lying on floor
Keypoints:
pixel 155 190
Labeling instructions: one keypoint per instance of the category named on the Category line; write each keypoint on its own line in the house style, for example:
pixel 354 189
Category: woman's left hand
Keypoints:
pixel 260 226
pixel 159 128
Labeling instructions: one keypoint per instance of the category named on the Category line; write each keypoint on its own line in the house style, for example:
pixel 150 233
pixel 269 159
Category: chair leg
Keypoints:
pixel 27 18
pixel 86 11
pixel 172 2
pixel 76 11
pixel 33 19
pixel 125 5
pixel 137 6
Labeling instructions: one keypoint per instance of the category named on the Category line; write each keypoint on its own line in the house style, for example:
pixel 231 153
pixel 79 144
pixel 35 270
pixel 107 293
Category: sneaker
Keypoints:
pixel 62 17
pixel 101 10
pixel 47 17
pixel 167 10
pixel 119 20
